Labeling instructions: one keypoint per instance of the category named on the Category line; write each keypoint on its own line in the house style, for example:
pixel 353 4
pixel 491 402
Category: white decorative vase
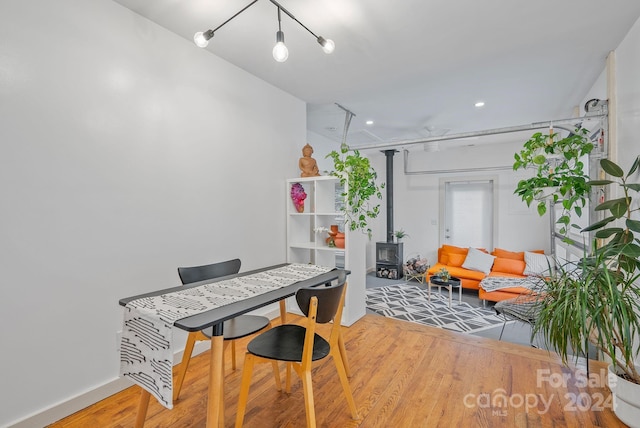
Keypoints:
pixel 626 398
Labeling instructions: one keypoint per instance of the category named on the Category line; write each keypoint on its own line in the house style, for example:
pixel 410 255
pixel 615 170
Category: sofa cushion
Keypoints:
pixel 507 265
pixel 515 255
pixel 478 260
pixel 446 250
pixel 504 254
pixel 454 249
pixel 538 264
pixel 455 260
pixel 458 272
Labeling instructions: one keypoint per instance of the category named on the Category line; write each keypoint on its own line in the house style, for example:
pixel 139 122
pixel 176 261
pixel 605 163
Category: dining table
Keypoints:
pixel 210 304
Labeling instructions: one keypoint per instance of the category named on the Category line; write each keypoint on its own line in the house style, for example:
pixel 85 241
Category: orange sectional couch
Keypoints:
pixel 505 264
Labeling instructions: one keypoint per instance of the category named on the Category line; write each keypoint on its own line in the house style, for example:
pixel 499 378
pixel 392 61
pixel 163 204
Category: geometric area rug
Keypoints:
pixel 409 303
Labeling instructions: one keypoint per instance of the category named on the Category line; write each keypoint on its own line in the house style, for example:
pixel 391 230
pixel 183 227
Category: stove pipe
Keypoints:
pixel 389 154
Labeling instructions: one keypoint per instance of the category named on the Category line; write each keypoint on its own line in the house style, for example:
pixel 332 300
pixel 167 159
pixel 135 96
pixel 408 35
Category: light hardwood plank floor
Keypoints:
pixel 403 375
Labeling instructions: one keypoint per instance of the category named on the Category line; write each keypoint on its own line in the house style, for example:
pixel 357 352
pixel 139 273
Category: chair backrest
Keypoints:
pixel 189 275
pixel 328 299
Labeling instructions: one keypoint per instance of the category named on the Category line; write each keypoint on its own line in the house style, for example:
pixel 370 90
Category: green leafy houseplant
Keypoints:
pixel 444 274
pixel 559 174
pixel 598 299
pixel 356 173
pixel 400 234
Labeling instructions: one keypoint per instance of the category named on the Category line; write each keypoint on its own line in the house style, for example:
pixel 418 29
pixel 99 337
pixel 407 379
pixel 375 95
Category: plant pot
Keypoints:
pixel 626 398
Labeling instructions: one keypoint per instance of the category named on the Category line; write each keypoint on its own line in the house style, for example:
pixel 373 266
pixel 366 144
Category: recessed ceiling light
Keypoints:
pixel 369 122
pixel 480 104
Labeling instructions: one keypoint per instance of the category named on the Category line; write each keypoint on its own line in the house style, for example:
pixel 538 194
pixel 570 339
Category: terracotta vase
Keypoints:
pixel 339 240
pixel 300 207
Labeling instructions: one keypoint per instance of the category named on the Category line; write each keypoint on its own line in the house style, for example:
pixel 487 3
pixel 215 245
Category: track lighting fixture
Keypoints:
pixel 280 51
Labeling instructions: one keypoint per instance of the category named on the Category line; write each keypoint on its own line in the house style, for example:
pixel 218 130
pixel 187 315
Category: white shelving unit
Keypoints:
pixel 322 209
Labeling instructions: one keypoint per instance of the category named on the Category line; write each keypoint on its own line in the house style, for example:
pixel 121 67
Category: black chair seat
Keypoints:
pixel 240 326
pixel 285 343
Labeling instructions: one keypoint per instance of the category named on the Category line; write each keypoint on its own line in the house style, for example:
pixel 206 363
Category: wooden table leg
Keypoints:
pixel 215 403
pixel 143 405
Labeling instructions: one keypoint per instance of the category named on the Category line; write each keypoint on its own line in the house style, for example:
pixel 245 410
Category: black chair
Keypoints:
pixel 524 308
pixel 235 328
pixel 299 346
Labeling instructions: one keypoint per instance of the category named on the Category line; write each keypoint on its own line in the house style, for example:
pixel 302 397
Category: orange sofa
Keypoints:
pixel 452 258
pixel 506 264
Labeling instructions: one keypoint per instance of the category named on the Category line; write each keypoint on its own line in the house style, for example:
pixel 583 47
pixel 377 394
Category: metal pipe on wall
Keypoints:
pixel 495 131
pixel 389 154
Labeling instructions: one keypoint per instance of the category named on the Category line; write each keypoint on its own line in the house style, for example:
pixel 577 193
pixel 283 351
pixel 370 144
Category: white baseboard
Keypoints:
pixel 92 396
pixel 83 400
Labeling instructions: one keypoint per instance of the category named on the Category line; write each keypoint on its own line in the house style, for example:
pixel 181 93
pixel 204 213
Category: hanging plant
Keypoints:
pixel 560 175
pixel 356 173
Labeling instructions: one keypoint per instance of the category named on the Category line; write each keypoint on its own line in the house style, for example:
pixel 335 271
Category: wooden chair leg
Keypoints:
pixel 288 379
pixel 343 354
pixel 337 359
pixel 283 312
pixel 143 405
pixel 184 364
pixel 309 407
pixel 233 355
pixel 244 388
pixel 276 373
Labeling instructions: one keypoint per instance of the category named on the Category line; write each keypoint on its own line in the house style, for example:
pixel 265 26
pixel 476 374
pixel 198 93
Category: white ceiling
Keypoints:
pixel 415 68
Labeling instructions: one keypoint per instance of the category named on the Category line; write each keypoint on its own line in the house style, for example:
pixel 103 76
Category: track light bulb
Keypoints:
pixel 327 45
pixel 201 39
pixel 280 51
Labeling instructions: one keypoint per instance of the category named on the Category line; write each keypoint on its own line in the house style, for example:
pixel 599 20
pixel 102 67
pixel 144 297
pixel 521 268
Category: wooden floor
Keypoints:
pixel 404 375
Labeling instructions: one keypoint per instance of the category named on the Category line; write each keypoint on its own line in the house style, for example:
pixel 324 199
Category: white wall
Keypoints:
pixel 417 197
pixel 628 104
pixel 628 97
pixel 126 151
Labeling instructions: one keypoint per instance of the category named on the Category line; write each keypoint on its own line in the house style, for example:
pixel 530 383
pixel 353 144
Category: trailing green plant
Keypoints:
pixel 560 174
pixel 599 298
pixel 355 171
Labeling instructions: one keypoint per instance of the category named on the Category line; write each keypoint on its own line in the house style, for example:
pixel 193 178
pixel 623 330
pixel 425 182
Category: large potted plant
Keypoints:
pixel 356 172
pixel 559 173
pixel 598 299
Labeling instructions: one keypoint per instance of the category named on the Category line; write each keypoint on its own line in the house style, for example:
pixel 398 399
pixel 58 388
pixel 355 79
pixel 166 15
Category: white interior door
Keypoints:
pixel 468 213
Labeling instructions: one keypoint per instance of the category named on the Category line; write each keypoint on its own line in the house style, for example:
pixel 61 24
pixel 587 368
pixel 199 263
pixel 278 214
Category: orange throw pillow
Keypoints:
pixel 456 260
pixel 506 265
pixel 457 250
pixel 499 252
